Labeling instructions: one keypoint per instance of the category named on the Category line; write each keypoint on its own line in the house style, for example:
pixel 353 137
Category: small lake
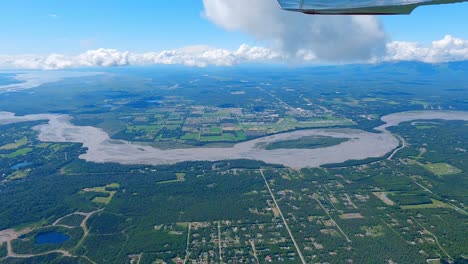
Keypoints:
pixel 51 238
pixel 20 165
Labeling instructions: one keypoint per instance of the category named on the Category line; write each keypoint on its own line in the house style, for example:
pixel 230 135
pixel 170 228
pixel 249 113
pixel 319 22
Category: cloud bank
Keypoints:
pixel 326 38
pixel 445 50
pixel 199 56
pixel 288 38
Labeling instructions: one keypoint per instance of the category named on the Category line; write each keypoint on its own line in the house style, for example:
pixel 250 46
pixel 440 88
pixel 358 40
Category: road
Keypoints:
pixel 10 234
pixel 219 243
pixel 331 218
pixel 254 250
pixel 435 238
pixel 403 145
pixel 284 220
pixel 187 252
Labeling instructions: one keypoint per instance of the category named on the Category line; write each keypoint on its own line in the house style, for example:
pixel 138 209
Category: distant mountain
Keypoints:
pixel 402 67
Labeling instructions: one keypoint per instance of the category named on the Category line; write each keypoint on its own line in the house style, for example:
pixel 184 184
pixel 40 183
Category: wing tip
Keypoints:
pixel 296 6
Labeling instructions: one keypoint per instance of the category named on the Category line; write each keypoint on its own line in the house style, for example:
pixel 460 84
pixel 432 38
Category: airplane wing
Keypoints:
pixel 358 7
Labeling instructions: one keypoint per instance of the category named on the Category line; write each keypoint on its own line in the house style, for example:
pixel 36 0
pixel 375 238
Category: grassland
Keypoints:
pixel 435 204
pixel 180 177
pixel 19 174
pixel 18 153
pixel 19 143
pixel 441 169
pixel 108 190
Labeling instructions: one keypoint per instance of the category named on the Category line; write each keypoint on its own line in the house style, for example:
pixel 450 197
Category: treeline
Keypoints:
pixel 3 250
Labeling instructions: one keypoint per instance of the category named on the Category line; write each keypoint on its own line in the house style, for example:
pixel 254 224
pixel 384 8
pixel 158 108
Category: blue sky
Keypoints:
pixel 71 27
pixel 429 23
pixel 33 26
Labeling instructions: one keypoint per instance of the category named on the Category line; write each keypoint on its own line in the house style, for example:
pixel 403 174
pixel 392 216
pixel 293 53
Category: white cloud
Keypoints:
pixel 103 57
pixel 326 38
pixel 202 56
pixel 199 56
pixel 447 49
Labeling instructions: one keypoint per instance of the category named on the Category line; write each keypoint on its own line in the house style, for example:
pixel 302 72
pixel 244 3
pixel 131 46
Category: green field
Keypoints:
pixel 433 205
pixel 144 128
pixel 212 138
pixel 108 190
pixel 19 143
pixel 441 169
pixel 19 174
pixel 180 177
pixel 190 136
pixel 18 153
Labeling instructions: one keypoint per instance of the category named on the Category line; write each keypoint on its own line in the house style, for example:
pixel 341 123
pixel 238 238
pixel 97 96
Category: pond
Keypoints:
pixel 51 238
pixel 20 165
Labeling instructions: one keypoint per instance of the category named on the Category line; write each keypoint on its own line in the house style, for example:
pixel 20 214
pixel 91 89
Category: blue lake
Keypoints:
pixel 51 238
pixel 20 165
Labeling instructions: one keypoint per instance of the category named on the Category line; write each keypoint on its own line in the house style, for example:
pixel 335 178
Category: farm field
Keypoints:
pixel 441 169
pixel 410 207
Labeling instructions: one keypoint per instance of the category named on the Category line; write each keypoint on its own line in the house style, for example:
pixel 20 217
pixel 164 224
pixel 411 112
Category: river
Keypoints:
pixel 361 144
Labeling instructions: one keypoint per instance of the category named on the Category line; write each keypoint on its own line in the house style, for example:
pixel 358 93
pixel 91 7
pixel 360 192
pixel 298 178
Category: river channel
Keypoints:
pixel 361 144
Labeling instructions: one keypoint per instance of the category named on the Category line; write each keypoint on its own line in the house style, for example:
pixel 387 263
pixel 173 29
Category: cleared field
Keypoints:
pixel 212 138
pixel 346 101
pixel 190 136
pixel 373 231
pixel 351 216
pixel 19 152
pixel 212 130
pixel 144 128
pixel 441 169
pixel 180 178
pixel 104 190
pixel 383 197
pixel 434 204
pixel 19 174
pixel 411 199
pixel 290 123
pixel 19 143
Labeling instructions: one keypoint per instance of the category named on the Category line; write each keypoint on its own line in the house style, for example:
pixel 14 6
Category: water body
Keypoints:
pixel 20 165
pixel 7 79
pixel 361 144
pixel 28 80
pixel 51 238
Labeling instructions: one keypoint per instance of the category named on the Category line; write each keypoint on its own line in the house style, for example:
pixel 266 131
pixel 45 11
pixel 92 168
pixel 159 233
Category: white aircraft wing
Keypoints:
pixel 358 7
